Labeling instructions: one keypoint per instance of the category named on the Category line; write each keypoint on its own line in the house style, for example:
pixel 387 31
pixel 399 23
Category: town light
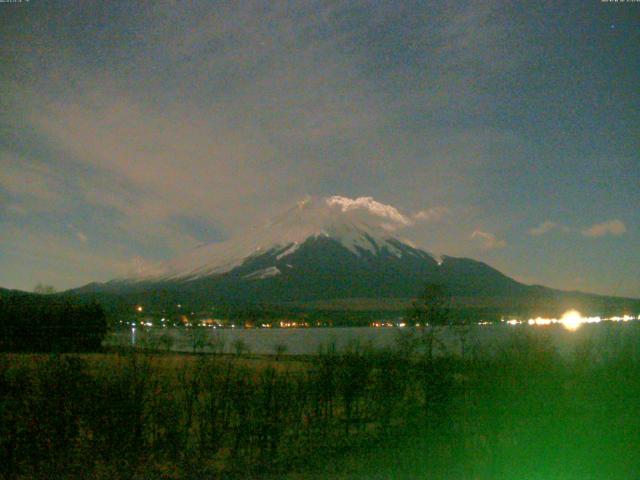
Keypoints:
pixel 571 320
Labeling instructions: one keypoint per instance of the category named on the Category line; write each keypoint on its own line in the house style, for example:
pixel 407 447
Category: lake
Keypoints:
pixel 308 341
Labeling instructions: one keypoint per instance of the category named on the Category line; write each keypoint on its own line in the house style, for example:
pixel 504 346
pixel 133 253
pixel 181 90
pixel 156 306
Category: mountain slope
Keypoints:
pixel 319 251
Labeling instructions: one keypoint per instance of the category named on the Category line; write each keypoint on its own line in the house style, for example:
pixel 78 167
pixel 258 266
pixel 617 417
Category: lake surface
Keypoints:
pixel 308 341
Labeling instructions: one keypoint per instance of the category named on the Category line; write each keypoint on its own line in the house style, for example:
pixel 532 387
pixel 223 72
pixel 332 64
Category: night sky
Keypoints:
pixel 508 132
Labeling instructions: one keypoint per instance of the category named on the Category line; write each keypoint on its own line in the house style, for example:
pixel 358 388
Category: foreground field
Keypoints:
pixel 523 412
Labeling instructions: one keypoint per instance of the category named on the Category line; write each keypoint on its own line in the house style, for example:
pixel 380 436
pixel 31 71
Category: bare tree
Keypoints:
pixel 217 341
pixel 167 341
pixel 279 349
pixel 198 338
pixel 431 309
pixel 240 347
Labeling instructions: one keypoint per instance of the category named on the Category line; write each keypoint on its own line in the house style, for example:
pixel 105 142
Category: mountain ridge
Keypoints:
pixel 318 251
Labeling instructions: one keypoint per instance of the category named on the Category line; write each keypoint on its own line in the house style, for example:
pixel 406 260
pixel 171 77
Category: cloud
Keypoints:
pixel 34 255
pixel 32 185
pixel 432 215
pixel 80 235
pixel 394 217
pixel 239 116
pixel 612 227
pixel 140 266
pixel 150 168
pixel 372 207
pixel 546 227
pixel 488 240
pixel 173 126
pixel 246 104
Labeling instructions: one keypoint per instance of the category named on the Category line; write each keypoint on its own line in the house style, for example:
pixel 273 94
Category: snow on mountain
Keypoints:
pixel 263 273
pixel 322 250
pixel 361 225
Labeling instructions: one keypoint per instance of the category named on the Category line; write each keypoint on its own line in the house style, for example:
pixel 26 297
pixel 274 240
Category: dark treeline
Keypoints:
pixel 48 323
pixel 521 412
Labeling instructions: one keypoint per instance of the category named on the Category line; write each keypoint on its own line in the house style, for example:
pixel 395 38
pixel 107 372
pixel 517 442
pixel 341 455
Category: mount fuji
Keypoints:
pixel 324 250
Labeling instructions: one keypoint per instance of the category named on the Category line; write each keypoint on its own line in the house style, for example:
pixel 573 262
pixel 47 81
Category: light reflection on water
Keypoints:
pixel 308 341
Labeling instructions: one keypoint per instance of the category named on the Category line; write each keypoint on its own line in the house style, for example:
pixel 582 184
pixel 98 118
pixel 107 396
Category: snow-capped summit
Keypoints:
pixel 361 226
pixel 325 251
pixel 320 249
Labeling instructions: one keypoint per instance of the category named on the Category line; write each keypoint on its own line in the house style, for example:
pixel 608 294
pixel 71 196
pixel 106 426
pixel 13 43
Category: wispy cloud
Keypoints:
pixel 393 216
pixel 488 241
pixel 612 227
pixel 432 215
pixel 52 258
pixel 241 112
pixel 32 186
pixel 152 130
pixel 546 227
pixel 371 206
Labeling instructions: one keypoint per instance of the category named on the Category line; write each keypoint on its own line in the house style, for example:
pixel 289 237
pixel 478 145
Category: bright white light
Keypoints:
pixel 542 321
pixel 571 320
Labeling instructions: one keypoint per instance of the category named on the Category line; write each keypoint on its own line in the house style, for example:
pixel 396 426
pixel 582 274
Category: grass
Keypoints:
pixel 522 412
